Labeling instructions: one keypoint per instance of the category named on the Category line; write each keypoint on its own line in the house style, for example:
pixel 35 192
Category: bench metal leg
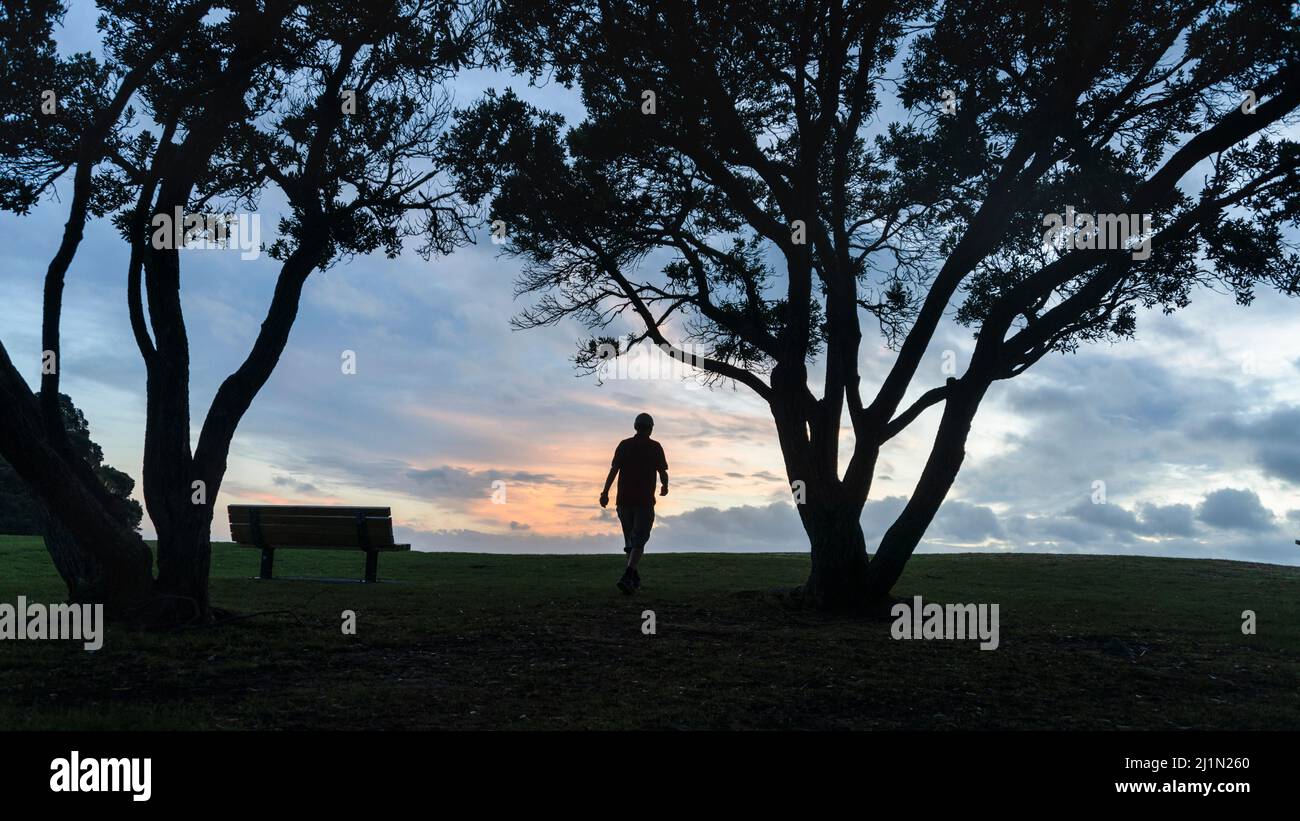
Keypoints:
pixel 372 565
pixel 268 559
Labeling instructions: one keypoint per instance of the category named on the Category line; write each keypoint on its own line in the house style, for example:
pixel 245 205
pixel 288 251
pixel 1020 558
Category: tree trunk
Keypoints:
pixel 183 575
pixel 181 510
pixel 830 516
pixel 838 580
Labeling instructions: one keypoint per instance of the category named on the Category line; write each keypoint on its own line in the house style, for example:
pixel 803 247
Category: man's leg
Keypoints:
pixel 628 522
pixel 644 520
pixel 627 518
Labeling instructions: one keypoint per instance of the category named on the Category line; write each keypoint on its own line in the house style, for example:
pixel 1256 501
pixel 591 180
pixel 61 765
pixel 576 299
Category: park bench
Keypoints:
pixel 275 527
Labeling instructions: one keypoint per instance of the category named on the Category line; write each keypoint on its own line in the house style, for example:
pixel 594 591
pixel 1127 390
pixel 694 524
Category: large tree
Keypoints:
pixel 752 152
pixel 321 113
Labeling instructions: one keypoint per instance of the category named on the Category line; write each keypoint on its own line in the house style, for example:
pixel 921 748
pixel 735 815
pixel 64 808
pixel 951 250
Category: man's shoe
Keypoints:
pixel 636 579
pixel 626 583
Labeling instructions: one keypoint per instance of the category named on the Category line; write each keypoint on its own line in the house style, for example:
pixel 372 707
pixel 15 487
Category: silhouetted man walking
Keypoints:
pixel 636 461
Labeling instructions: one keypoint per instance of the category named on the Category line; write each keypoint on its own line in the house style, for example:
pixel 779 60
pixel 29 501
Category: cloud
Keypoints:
pixel 477 541
pixel 1147 520
pixel 965 523
pixel 1167 520
pixel 293 484
pixel 1233 509
pixel 1131 424
pixel 450 482
pixel 1112 517
pixel 1054 533
pixel 1270 436
pixel 773 527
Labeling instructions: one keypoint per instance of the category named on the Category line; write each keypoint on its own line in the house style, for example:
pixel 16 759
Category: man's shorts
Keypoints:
pixel 637 521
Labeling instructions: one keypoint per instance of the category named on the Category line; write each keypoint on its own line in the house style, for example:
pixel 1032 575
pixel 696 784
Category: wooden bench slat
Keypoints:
pixel 387 548
pixel 268 517
pixel 328 522
pixel 288 536
pixel 373 526
pixel 241 511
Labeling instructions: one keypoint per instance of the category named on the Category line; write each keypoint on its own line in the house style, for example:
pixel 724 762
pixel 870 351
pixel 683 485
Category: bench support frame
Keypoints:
pixel 268 552
pixel 372 556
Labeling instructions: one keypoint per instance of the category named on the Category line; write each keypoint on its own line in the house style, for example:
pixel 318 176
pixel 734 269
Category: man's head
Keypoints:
pixel 644 423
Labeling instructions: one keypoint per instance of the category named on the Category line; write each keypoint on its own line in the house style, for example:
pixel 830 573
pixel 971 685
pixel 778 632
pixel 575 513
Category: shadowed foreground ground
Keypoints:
pixel 481 641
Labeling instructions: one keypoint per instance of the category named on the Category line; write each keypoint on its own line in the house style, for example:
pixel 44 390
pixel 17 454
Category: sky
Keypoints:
pixel 1181 442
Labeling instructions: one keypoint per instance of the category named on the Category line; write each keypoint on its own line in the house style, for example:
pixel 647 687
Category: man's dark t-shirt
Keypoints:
pixel 637 460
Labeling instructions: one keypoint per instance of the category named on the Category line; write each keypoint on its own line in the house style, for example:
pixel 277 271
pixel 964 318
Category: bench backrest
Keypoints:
pixel 308 526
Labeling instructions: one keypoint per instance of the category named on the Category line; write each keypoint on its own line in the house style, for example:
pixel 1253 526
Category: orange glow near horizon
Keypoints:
pixel 704 469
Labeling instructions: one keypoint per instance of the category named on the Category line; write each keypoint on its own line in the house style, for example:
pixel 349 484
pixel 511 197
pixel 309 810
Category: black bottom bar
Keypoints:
pixel 976 771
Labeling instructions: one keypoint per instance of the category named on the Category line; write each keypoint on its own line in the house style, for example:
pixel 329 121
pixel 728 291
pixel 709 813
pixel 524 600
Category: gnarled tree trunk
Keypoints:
pixel 842 577
pixel 183 576
pixel 838 579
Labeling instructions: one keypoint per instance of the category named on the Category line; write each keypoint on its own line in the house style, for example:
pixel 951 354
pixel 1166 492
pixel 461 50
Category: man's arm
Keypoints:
pixel 609 481
pixel 663 482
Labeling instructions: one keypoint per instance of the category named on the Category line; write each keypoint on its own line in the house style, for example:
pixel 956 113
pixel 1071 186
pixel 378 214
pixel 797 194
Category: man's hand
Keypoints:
pixel 663 490
pixel 604 500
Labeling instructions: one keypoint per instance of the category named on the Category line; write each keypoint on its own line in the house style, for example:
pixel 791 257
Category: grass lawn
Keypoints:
pixel 546 642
